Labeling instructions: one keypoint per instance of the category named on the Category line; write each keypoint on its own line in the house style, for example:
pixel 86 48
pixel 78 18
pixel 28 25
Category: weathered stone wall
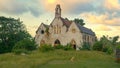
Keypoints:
pixel 64 35
pixel 39 36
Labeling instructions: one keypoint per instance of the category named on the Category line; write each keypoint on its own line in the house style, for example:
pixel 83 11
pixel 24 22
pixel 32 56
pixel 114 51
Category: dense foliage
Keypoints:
pixel 86 46
pixel 118 47
pixel 79 21
pixel 46 48
pixel 11 31
pixel 68 47
pixel 97 46
pixel 106 44
pixel 59 47
pixel 24 46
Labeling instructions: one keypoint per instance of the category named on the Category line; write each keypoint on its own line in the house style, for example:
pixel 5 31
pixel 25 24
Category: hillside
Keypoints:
pixel 59 59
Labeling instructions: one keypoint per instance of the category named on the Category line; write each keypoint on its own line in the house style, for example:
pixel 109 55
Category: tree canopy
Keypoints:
pixel 106 44
pixel 79 21
pixel 11 31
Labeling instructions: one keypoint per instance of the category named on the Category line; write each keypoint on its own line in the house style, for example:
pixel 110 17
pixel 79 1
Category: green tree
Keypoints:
pixel 114 40
pixel 98 46
pixel 11 31
pixel 106 44
pixel 79 21
pixel 24 46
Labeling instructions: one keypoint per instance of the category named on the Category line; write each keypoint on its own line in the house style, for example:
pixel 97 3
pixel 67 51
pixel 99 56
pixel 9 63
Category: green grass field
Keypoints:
pixel 59 59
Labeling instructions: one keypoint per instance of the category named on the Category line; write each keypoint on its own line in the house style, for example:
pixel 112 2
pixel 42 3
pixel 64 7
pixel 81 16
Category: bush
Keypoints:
pixel 68 47
pixel 109 50
pixel 98 46
pixel 86 46
pixel 105 49
pixel 118 47
pixel 24 46
pixel 3 48
pixel 46 48
pixel 58 47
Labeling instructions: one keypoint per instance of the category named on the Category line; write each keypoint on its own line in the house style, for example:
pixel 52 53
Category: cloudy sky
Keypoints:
pixel 102 16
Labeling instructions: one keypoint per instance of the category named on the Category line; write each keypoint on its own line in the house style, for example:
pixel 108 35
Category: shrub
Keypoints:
pixel 68 47
pixel 118 47
pixel 46 48
pixel 105 49
pixel 109 50
pixel 58 47
pixel 24 46
pixel 98 46
pixel 86 46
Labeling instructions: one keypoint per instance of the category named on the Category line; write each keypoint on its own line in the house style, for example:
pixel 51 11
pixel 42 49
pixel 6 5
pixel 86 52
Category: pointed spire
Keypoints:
pixel 58 11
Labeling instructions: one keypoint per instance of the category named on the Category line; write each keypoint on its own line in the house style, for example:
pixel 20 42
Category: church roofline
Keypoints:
pixel 84 29
pixel 45 25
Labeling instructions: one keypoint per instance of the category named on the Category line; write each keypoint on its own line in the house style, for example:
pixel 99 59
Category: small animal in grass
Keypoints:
pixel 72 59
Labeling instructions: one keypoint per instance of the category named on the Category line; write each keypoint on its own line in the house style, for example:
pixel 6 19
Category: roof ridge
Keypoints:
pixel 66 22
pixel 85 29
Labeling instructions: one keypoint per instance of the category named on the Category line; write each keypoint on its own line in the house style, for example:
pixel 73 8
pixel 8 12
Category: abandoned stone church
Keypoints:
pixel 62 31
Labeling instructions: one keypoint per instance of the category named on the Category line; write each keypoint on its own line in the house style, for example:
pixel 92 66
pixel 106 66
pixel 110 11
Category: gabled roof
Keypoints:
pixel 84 29
pixel 45 25
pixel 66 22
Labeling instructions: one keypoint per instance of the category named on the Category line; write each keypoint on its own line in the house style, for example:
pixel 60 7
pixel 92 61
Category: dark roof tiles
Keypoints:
pixel 85 30
pixel 66 22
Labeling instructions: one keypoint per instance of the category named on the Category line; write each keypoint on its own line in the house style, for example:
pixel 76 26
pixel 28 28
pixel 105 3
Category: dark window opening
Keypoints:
pixel 57 42
pixel 42 31
pixel 74 46
pixel 73 43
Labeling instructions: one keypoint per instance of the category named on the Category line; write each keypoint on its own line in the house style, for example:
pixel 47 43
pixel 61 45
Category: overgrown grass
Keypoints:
pixel 59 59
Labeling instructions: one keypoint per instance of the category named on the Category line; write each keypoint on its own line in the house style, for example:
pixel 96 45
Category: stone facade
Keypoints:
pixel 62 31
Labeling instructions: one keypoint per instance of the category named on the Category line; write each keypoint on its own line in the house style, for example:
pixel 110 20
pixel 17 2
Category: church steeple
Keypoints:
pixel 58 11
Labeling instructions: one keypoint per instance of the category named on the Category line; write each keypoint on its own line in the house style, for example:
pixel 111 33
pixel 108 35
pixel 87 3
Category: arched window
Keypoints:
pixel 57 29
pixel 54 29
pixel 57 42
pixel 73 43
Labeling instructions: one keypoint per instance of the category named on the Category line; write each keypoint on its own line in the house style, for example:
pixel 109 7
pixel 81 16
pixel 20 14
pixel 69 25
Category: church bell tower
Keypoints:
pixel 58 11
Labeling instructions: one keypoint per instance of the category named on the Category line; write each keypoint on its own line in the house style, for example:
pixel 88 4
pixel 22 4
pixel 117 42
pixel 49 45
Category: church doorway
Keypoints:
pixel 73 43
pixel 57 42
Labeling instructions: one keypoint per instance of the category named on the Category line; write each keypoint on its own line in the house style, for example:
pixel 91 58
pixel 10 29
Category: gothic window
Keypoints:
pixel 57 42
pixel 88 38
pixel 85 37
pixel 57 29
pixel 73 43
pixel 92 39
pixel 54 29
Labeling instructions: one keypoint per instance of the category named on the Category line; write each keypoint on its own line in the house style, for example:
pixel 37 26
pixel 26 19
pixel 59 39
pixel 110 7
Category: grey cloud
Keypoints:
pixel 21 7
pixel 35 11
pixel 81 8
